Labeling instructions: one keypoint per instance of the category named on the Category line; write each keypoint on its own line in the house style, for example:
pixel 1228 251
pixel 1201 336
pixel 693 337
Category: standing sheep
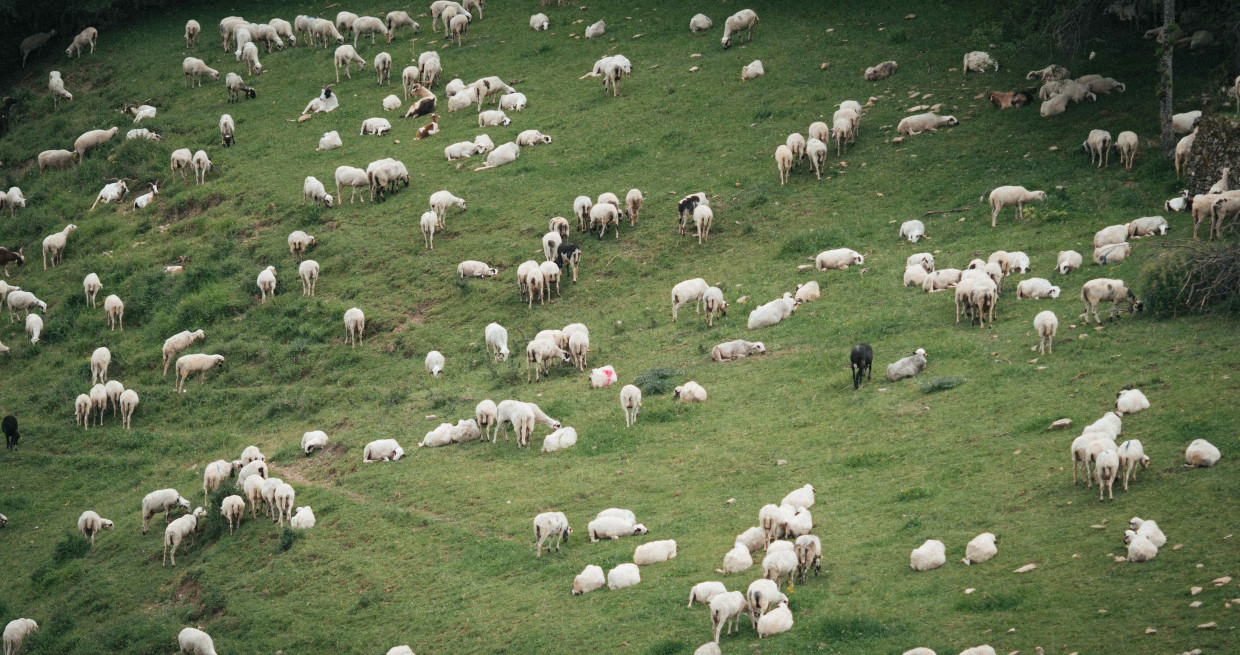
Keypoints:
pixel 267 283
pixel 741 20
pixel 308 271
pixel 784 161
pixel 1108 290
pixel 1046 324
pixel 16 631
pixel 1006 196
pixel 55 244
pixel 129 402
pixel 631 403
pixel 1098 145
pixel 92 139
pixel 344 56
pixel 434 363
pixel 116 312
pixel 354 326
pixel 1126 143
pixel 383 69
pixel 233 509
pixel 164 500
pixel 549 524
pixel 99 361
pixel 188 365
pixel 174 344
pixel 90 523
pixel 56 84
pixel 1106 469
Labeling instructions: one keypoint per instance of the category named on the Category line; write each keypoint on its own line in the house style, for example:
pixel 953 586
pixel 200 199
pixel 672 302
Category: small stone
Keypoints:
pixel 1177 546
pixel 694 69
pixel 1071 327
pixel 396 141
pixel 1016 452
pixel 1194 591
pixel 1053 148
pixel 730 501
pixel 1098 527
pixel 1151 631
pixel 968 591
pixel 1218 582
pixel 1201 566
pixel 910 17
pixel 1195 604
pixel 1102 611
pixel 1121 559
pixel 1083 336
pixel 824 66
pixel 1207 626
pixel 1012 631
pixel 1026 568
pixel 979 96
pixel 1227 537
pixel 1076 556
pixel 898 139
pixel 695 55
pixel 1060 424
pixel 742 300
pixel 781 462
pixel 431 417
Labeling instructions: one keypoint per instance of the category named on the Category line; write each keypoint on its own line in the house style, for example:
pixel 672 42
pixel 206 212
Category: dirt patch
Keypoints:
pixel 189 592
pixel 417 318
pixel 195 209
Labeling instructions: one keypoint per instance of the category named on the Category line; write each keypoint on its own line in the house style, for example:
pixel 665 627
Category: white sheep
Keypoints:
pixel 980 549
pixel 654 552
pixel 237 88
pixel 1068 261
pixel 1130 401
pixel 34 327
pixel 1106 469
pixel 232 509
pixel 377 126
pixel 1131 455
pixel 504 154
pixel 90 523
pixel 56 84
pixel 1006 196
pixel 631 403
pixel 1148 529
pixel 539 22
pixel 590 579
pixel 23 300
pixel 492 118
pixel 164 501
pixel 81 411
pixel 202 165
pixel 912 230
pixel 214 474
pixel 352 177
pixel 434 363
pixel 99 361
pixel 908 366
pixel 1140 548
pixel 690 392
pixel 727 608
pixel 741 20
pixel 141 133
pixel 1184 123
pixel 549 524
pixel 565 437
pixel 474 268
pixel 914 275
pixel 714 303
pixel 13 198
pixel 302 519
pixel 736 560
pixel 369 25
pixel 929 556
pixel 111 192
pixel 1201 453
pixel 752 70
pixel 776 621
pixel 386 450
pixel 624 575
pixel 532 138
pixel 1046 324
pixel 772 312
pixel 881 71
pixel 177 531
pixel 929 122
pixel 838 259
pixel 703 592
pixel 1126 143
pixel 354 325
pixel 977 61
pixel 249 54
pixel 54 244
pixel 985 649
pixel 16 631
pixel 113 389
pixel 174 344
pixel 267 282
pixel 780 565
pixel 192 30
pixel 514 102
pixel 284 498
pixel 761 595
pixel 194 68
pixel 188 365
pixel 1036 288
pixel 345 55
pixel 688 291
pixel 116 312
pixel 1147 225
pixel 736 349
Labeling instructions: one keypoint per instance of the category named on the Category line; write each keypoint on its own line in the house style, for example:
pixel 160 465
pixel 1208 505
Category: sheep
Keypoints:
pixel 5 288
pixel 1036 288
pixel 738 349
pixel 912 230
pixel 1006 196
pixel 1201 453
pixel 1222 185
pixel 504 154
pixel 429 69
pixel 1112 254
pixel 462 150
pixel 578 343
pixel 800 524
pixel 1108 290
pixel 741 20
pixel 29 45
pixel 383 70
pixel 396 20
pixel 1126 143
pixel 539 353
pixel 428 223
pixel 654 552
pixel 714 303
pixel 99 361
pixel 1046 324
pixel 215 473
pixel 776 621
pixel 194 68
pixel 325 30
pixel 345 55
pixel 1106 469
pixel 232 509
pixel 774 521
pixel 1130 401
pixel 590 579
pixel 200 363
pixel 560 226
pixel 23 300
pixel 881 71
pixel 386 450
pixel 727 607
pixel 914 275
pixel 90 523
pixel 515 102
pixel 308 271
pixel 282 30
pixel 907 367
pixel 463 100
pixel 441 201
pixel 631 403
pixel 1098 145
pixel 1148 529
pixel 760 595
pixel 352 177
pixel 285 495
pixel 752 70
pixel 491 118
pixel 738 558
pixel 98 402
pixel 92 139
pixel 539 22
pixel 34 327
pixel 192 30
pixel 559 440
pixel 116 312
pixel 111 192
pixel 93 286
pixel 1049 74
pixel 611 69
pixel 474 268
pixel 253 463
pixel 56 85
pixel 838 259
pixel 354 325
pixel 164 500
pixel 113 389
pixel 1132 454
pixel 532 138
pixel 16 631
pixel 1184 123
pixel 688 291
pixel 1140 548
pixel 1054 106
pixel 1067 261
pixel 977 650
pixel 549 524
pixel 174 344
pixel 1183 148
pixel 176 532
pixel 267 282
pixel 369 25
pixel 702 218
pixel 377 126
pixel 977 61
pixel 690 392
pixel 81 411
pixel 1147 225
pixel 249 54
pixel 928 556
pixel 980 549
pixel 237 88
pixel 928 122
pixel 783 161
pixel 434 363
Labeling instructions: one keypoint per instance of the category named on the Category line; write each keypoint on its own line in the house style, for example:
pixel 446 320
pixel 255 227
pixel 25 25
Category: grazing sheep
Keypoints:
pixel 549 524
pixel 977 61
pixel 302 519
pixel 1201 453
pixel 741 20
pixel 99 361
pixel 308 271
pixel 92 139
pixel 1183 148
pixel 881 71
pixel 352 177
pixel 174 344
pixel 177 531
pixel 386 450
pixel 861 361
pixel 237 88
pixel 816 149
pixel 164 500
pixel 93 286
pixel 354 325
pixel 194 68
pixel 56 159
pixel 369 25
pixel 624 575
pixel 200 363
pixel 383 71
pixel 752 70
pixel 929 556
pixel 714 303
pixel 202 165
pixel 345 55
pixel 761 595
pixel 267 282
pixel 1006 196
pixel 727 608
pixel 90 523
pixel 23 300
pixel 81 411
pixel 737 349
pixel 907 367
pixel 912 230
pixel 702 218
pixel 688 291
pixel 928 122
pixel 1108 290
pixel 116 312
pixel 458 27
pixel 128 403
pixel 56 84
pixel 1046 324
pixel 1068 261
pixel 434 363
pixel 1131 455
pixel 690 392
pixel 630 402
pixel 29 45
pixel 16 631
pixel 654 552
pixel 1098 145
pixel 590 579
pixel 233 509
pixel 838 259
pixel 783 161
pixel 1126 143
pixel 192 30
pixel 34 327
pixel 1184 123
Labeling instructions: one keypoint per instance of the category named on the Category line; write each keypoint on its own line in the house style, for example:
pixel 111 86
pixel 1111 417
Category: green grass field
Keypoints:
pixel 436 551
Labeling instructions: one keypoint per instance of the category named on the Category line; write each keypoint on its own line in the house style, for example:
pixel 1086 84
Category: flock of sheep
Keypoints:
pixel 783 533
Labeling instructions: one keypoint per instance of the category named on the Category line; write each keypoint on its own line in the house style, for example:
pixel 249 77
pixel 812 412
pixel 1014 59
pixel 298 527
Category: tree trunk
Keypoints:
pixel 1164 86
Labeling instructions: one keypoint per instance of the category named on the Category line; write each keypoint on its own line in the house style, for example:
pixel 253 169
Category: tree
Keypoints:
pixel 1166 48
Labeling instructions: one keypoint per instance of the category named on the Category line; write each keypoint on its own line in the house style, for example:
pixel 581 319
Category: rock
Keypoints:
pixel 968 591
pixel 1151 631
pixel 1195 604
pixel 1026 568
pixel 1177 546
pixel 824 66
pixel 695 55
pixel 1060 424
pixel 780 462
pixel 731 500
pixel 1218 582
pixel 898 139
pixel 1194 591
pixel 694 69
pixel 910 17
pixel 1207 626
pixel 1098 527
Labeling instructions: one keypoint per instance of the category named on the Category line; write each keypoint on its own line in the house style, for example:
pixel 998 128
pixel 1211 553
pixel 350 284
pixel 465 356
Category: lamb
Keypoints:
pixel 783 161
pixel 630 402
pixel 1068 261
pixel 352 177
pixel 1054 106
pixel 99 361
pixel 727 607
pixel 908 366
pixel 164 500
pixel 345 55
pixel 1098 145
pixel 377 126
pixel 1036 288
pixel 690 392
pixel 474 268
pixel 590 579
pixel 549 524
pixel 16 631
pixel 237 88
pixel 1140 548
pixel 308 271
pixel 1108 290
pixel 90 523
pixel 1106 469
pixel 881 71
pixel 504 154
pixel 929 556
pixel 737 349
pixel 116 312
pixel 838 259
pixel 752 70
pixel 354 325
pixel 174 344
pixel 92 139
pixel 267 282
pixel 1006 196
pixel 928 122
pixel 1201 453
pixel 1126 143
pixel 688 291
pixel 303 518
pixel 178 530
pixel 56 85
pixel 232 509
pixel 434 363
pixel 369 25
pixel 383 69
pixel 23 300
pixel 200 363
pixel 702 218
pixel 912 230
pixel 654 552
pixel 1184 123
pixel 977 61
pixel 386 450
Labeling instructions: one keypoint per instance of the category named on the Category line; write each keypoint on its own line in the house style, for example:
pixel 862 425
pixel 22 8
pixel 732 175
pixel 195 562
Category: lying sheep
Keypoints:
pixel 313 440
pixel 597 29
pixel 1006 196
pixel 1054 106
pixel 881 71
pixel 690 392
pixel 386 450
pixel 565 437
pixel 532 138
pixel 772 313
pixel 624 575
pixel 928 122
pixel 1068 261
pixel 493 118
pixel 737 349
pixel 838 259
pixel 929 556
pixel 914 276
pixel 1049 74
pixel 736 560
pixel 1147 225
pixel 907 367
pixel 776 621
pixel 1140 548
pixel 1036 288
pixel 1201 453
pixel 474 268
pixel 377 126
pixel 700 23
pixel 977 61
pixel 590 579
pixel 654 552
pixel 462 150
pixel 504 154
pixel 303 518
pixel 1112 254
pixel 912 230
pixel 761 595
pixel 752 70
pixel 1130 401
pixel 1149 530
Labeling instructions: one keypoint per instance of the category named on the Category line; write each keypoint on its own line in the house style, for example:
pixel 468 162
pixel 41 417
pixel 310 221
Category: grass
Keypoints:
pixel 442 539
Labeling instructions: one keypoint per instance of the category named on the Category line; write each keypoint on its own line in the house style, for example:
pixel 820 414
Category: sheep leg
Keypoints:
pixel 994 215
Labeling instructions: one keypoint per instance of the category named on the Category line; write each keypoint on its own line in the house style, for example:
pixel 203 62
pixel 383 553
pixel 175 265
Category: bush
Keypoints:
pixel 654 382
pixel 286 539
pixel 72 546
pixel 1191 277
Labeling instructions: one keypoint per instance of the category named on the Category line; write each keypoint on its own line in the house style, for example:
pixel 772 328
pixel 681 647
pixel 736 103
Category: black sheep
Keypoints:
pixel 11 437
pixel 862 358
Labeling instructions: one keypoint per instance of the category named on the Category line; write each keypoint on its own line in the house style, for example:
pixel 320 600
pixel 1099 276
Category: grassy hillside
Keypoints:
pixel 436 550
